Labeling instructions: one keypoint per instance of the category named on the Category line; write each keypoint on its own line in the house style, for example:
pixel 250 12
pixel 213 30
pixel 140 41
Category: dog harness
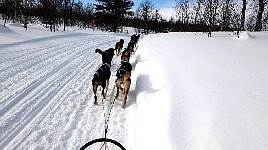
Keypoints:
pixel 122 70
pixel 103 71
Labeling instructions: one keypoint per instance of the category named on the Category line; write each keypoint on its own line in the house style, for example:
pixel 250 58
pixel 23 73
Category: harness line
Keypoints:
pixel 109 109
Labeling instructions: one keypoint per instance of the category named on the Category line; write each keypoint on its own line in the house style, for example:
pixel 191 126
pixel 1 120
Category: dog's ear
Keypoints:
pixel 97 50
pixel 111 50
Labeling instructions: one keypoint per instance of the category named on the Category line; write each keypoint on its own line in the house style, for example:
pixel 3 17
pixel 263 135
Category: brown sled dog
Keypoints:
pixel 126 55
pixel 123 78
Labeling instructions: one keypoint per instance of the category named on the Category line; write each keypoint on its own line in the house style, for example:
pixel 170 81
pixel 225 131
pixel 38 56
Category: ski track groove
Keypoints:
pixel 55 106
pixel 20 87
pixel 30 64
pixel 30 71
pixel 33 57
pixel 61 66
pixel 48 89
pixel 32 50
pixel 47 92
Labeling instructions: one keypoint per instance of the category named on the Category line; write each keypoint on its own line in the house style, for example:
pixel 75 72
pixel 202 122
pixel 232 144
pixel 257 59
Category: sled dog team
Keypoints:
pixel 103 73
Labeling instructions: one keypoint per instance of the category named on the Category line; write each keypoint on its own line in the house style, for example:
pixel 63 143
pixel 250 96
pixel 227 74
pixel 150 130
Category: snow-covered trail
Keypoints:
pixel 46 93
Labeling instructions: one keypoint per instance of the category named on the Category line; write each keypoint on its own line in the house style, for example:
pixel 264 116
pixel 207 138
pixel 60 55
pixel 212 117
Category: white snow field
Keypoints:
pixel 187 91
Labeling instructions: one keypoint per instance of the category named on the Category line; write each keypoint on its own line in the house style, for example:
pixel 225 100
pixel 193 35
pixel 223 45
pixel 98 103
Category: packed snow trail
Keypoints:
pixel 46 92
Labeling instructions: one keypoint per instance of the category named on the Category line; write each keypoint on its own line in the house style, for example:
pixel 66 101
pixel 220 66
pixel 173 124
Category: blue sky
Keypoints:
pixel 157 3
pixel 165 6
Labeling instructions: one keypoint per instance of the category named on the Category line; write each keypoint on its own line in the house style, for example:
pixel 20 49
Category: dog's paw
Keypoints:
pixel 116 96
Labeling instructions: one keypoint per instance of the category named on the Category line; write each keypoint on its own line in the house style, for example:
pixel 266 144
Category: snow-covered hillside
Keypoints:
pixel 188 91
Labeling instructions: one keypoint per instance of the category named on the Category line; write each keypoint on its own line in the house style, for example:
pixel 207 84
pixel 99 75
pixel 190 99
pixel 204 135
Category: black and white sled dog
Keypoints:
pixel 102 75
pixel 101 78
pixel 107 55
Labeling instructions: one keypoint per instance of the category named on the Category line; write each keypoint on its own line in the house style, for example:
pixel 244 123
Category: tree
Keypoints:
pixel 226 13
pixel 198 12
pixel 211 8
pixel 50 13
pixel 265 20
pixel 114 9
pixel 258 25
pixel 243 16
pixel 66 6
pixel 26 11
pixel 236 19
pixel 183 12
pixel 155 22
pixel 145 11
pixel 88 14
pixel 7 9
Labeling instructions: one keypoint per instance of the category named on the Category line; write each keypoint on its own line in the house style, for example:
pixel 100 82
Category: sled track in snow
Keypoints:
pixel 33 68
pixel 40 85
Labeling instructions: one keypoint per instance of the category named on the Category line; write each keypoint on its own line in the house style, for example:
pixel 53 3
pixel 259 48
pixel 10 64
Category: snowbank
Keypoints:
pixel 195 92
pixel 245 35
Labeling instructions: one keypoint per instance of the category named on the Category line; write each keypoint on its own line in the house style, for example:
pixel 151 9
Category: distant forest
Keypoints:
pixel 112 15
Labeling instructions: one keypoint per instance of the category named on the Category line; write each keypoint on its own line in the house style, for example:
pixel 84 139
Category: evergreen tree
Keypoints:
pixel 114 11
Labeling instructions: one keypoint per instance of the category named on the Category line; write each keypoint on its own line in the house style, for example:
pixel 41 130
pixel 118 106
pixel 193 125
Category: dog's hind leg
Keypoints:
pixel 106 88
pixel 126 90
pixel 118 51
pixel 95 86
pixel 103 95
pixel 103 85
pixel 117 82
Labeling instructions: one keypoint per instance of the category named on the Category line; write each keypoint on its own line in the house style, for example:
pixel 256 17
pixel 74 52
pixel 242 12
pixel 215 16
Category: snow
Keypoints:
pixel 187 91
pixel 214 91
